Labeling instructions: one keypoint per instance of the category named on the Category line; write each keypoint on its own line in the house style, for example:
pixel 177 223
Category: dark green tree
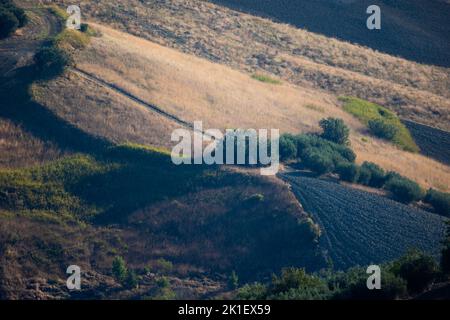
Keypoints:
pixel 335 130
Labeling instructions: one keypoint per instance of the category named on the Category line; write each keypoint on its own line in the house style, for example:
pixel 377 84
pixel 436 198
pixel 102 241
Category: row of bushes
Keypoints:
pixel 406 277
pixel 403 189
pixel 330 153
pixel 316 153
pixel 11 18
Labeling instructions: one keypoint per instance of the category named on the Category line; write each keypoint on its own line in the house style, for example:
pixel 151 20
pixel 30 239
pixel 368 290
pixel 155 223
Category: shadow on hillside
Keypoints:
pixel 17 106
pixel 416 30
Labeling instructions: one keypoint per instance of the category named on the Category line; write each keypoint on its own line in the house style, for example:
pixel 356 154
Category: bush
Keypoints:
pixel 119 269
pixel 404 189
pixel 19 13
pixel 347 171
pixel 366 111
pixel 440 201
pixel 8 23
pixel 382 129
pixel 418 269
pixel 336 152
pixel 364 176
pixel 84 27
pixel 51 61
pixel 255 291
pixel 352 285
pixel 233 280
pixel 296 284
pixel 335 130
pixel 131 280
pixel 164 266
pixel 377 174
pixel 317 162
pixel 288 147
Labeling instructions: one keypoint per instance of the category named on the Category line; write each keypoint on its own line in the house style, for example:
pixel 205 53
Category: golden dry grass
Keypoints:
pixel 195 89
pixel 101 112
pixel 18 148
pixel 417 92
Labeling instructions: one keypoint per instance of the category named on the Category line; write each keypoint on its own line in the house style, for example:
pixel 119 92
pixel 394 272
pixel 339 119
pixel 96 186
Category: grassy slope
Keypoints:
pixel 195 89
pixel 60 212
pixel 414 91
pixel 202 219
pixel 366 111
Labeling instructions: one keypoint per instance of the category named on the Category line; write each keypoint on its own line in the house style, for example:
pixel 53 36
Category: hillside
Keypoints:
pixel 68 196
pixel 86 175
pixel 415 91
pixel 416 30
pixel 191 89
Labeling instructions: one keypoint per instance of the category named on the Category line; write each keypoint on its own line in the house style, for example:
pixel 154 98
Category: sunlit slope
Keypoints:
pixel 252 44
pixel 196 89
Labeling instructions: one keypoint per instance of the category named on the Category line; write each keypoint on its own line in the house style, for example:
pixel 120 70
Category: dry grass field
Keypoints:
pixel 416 92
pixel 196 89
pixel 18 148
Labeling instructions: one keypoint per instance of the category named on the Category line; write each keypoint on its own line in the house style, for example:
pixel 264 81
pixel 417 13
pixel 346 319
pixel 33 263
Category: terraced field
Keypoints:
pixel 361 228
pixel 433 143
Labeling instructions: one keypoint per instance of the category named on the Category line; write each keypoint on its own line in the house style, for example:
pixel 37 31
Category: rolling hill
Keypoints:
pixel 416 30
pixel 85 169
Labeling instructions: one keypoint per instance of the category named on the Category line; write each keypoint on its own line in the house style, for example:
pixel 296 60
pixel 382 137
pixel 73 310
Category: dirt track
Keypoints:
pixel 17 51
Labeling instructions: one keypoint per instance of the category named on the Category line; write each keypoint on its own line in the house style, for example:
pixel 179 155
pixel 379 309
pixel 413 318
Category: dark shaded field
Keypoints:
pixel 361 228
pixel 433 143
pixel 417 30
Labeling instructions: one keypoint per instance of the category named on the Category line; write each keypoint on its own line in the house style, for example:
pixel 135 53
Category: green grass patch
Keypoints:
pixel 57 11
pixel 70 39
pixel 117 182
pixel 314 108
pixel 367 111
pixel 265 79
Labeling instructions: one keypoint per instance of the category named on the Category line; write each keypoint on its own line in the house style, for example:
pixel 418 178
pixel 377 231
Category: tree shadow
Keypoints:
pixel 16 104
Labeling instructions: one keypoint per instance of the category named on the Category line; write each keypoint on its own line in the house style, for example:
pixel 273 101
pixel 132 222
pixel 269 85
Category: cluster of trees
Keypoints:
pixel 11 18
pixel 330 152
pixel 123 275
pixel 51 61
pixel 406 277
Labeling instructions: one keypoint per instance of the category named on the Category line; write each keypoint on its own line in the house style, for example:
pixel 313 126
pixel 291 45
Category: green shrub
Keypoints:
pixel 366 111
pixel 164 266
pixel 84 27
pixel 131 280
pixel 348 171
pixel 288 147
pixel 19 13
pixel 119 269
pixel 336 152
pixel 352 285
pixel 404 189
pixel 255 291
pixel 317 162
pixel 266 79
pixel 163 282
pixel 418 269
pixel 382 129
pixel 440 201
pixel 51 61
pixel 8 23
pixel 233 280
pixel 364 176
pixel 335 130
pixel 377 174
